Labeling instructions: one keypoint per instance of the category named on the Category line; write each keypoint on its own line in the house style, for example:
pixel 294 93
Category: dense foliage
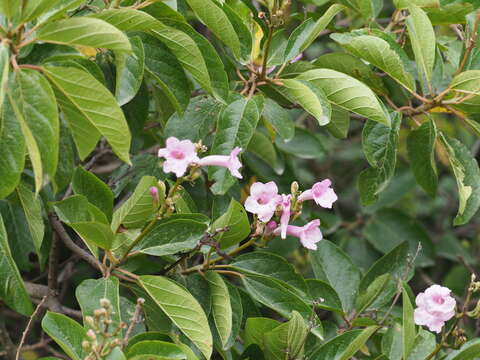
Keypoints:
pixel 236 179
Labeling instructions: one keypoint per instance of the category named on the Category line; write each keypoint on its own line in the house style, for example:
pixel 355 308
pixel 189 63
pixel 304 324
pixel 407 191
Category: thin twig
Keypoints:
pixel 134 320
pixel 29 325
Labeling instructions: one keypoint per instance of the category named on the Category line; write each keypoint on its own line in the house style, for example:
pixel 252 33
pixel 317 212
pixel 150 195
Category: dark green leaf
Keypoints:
pixel 129 69
pixel 236 221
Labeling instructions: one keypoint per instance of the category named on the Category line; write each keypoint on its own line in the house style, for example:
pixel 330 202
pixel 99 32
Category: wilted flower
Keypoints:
pixel 285 218
pixel 321 193
pixel 179 155
pixel 231 162
pixel 263 200
pixel 308 234
pixel 435 306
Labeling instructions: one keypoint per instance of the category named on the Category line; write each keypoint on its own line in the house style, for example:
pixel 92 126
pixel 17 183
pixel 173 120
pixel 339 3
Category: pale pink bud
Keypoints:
pixel 435 306
pixel 321 193
pixel 285 217
pixel 308 234
pixel 263 200
pixel 179 155
pixel 154 194
pixel 231 162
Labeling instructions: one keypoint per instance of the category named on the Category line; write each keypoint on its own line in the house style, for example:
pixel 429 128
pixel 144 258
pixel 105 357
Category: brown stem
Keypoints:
pixel 471 44
pixel 29 325
pixel 134 320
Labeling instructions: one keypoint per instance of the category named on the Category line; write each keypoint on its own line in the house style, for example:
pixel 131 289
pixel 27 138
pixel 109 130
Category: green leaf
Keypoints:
pixel 85 101
pixel 221 306
pixel 379 144
pixel 469 351
pixel 182 308
pixel 467 175
pixel 307 32
pixel 4 71
pixel 466 84
pixel 267 264
pixel 155 350
pixel 237 314
pixel 165 68
pixel 33 9
pixel 397 227
pixel 275 296
pixel 353 66
pixel 310 97
pixel 335 267
pixel 348 93
pixel 32 207
pixel 403 4
pixel 288 338
pixel 35 108
pixel 95 190
pixel 66 159
pixel 214 17
pixel 422 37
pixel 323 296
pixel 236 220
pixel 343 347
pixel 67 333
pixel 256 328
pixel 423 346
pixel 377 52
pixel 12 288
pixel 174 234
pixel 279 118
pixel 235 127
pixel 304 145
pixel 129 69
pixel 339 123
pixel 84 31
pixel 58 10
pixel 421 153
pixel 365 299
pixel 408 329
pixel 91 291
pixel 262 146
pixel 139 207
pixel 10 8
pixel 87 220
pixel 393 263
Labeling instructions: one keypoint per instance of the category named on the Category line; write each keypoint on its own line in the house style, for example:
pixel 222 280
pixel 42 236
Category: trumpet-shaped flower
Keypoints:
pixel 231 162
pixel 263 200
pixel 435 306
pixel 179 155
pixel 321 192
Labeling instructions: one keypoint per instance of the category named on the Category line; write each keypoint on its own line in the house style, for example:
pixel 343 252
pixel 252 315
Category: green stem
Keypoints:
pixel 266 51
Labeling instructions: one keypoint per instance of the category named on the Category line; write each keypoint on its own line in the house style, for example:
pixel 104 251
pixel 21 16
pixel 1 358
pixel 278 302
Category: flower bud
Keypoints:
pixel 475 313
pixel 105 303
pixel 91 334
pixel 86 345
pixel 89 321
pixel 99 313
pixel 294 188
pixel 154 195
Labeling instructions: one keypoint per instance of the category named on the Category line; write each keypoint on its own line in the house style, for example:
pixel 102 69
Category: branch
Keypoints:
pixel 29 325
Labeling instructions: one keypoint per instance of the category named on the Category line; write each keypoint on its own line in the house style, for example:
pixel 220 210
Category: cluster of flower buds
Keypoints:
pixel 435 306
pixel 265 201
pixel 180 155
pixel 102 337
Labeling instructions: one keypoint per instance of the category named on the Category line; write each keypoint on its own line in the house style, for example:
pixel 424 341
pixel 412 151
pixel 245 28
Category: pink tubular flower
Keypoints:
pixel 309 234
pixel 231 161
pixel 154 194
pixel 179 155
pixel 435 306
pixel 285 218
pixel 263 200
pixel 321 193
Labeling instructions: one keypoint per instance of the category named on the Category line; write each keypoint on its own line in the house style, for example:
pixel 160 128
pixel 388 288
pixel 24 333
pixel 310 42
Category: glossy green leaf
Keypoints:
pixel 235 127
pixel 408 330
pixel 67 333
pixel 467 174
pixel 403 4
pixel 324 296
pixel 95 190
pixel 272 265
pixel 366 298
pixel 256 328
pixel 469 351
pixel 84 31
pixel 58 10
pixel 85 101
pixel 236 221
pixel 288 338
pixel 421 152
pixel 33 9
pixel 155 350
pixel 32 207
pixel 335 267
pixel 221 305
pixel 129 69
pixel 10 8
pixel 304 145
pixel 262 146
pixel 377 52
pixel 425 343
pixel 4 71
pixel 139 207
pixel 238 316
pixel 12 288
pixel 35 108
pixel 310 97
pixel 182 308
pixel 422 37
pixel 213 16
pixel 175 234
pixel 348 93
pixel 279 118
pixel 339 123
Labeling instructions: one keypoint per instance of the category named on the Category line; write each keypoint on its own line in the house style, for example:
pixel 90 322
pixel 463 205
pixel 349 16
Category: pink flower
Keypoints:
pixel 231 162
pixel 263 200
pixel 285 218
pixel 309 234
pixel 435 306
pixel 179 155
pixel 270 227
pixel 321 193
pixel 154 194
